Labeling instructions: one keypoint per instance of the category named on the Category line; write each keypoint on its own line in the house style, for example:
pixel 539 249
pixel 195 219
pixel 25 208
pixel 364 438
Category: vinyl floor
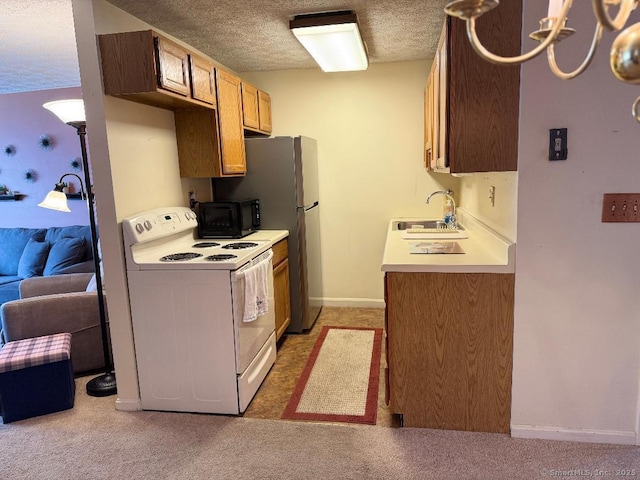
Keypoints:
pixel 293 352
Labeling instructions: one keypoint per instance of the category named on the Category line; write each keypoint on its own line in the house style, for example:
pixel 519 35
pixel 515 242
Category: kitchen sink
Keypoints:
pixel 427 229
pixel 430 224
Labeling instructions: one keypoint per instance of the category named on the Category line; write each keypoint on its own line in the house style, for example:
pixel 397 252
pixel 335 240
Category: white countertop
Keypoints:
pixel 485 251
pixel 273 236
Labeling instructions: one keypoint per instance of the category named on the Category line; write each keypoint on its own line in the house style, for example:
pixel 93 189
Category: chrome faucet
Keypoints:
pixel 453 221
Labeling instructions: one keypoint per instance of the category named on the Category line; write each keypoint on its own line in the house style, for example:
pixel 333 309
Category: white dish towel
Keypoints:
pixel 256 290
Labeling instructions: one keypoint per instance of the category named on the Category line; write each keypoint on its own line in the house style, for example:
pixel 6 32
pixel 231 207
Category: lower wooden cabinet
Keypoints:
pixel 450 349
pixel 281 287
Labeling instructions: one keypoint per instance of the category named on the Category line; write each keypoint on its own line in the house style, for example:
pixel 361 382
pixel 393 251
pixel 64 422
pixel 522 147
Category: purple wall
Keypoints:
pixel 22 122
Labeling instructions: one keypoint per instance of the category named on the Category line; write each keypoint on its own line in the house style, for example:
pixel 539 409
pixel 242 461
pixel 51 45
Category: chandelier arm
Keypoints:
pixel 499 60
pixel 597 36
pixel 600 10
pixel 636 110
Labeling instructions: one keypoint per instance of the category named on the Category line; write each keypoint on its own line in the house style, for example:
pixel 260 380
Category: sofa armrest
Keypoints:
pixel 76 313
pixel 38 286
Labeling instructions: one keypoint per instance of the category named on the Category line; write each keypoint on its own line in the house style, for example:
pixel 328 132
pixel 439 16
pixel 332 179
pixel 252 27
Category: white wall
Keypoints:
pixel 474 197
pixel 577 312
pixel 369 126
pixel 22 122
pixel 135 167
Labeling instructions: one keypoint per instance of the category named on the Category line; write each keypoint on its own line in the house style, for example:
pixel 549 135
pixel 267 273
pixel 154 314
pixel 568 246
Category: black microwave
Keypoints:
pixel 228 219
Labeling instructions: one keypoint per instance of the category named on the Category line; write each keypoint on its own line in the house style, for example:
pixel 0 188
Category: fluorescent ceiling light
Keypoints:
pixel 332 39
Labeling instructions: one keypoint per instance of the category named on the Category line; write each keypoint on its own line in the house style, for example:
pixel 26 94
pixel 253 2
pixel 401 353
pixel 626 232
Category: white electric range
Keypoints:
pixel 194 352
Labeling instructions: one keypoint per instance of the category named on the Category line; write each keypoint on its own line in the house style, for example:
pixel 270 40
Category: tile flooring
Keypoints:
pixel 293 352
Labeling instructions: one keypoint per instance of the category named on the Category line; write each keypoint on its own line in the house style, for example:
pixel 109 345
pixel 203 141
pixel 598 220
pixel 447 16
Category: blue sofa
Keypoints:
pixel 33 252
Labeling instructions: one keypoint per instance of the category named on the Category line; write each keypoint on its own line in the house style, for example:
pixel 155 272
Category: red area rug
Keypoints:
pixel 340 381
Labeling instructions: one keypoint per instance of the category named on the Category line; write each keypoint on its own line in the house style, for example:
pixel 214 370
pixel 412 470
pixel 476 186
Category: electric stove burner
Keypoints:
pixel 239 245
pixel 178 257
pixel 220 257
pixel 205 244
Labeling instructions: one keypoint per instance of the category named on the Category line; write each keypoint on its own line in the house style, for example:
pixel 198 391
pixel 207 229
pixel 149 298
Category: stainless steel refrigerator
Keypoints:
pixel 282 172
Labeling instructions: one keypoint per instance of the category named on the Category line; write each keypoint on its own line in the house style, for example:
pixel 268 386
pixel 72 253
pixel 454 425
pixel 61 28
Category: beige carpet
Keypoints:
pixel 340 381
pixel 93 441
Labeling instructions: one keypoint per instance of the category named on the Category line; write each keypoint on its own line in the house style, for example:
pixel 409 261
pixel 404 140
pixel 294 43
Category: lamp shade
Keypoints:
pixel 332 39
pixel 55 200
pixel 69 111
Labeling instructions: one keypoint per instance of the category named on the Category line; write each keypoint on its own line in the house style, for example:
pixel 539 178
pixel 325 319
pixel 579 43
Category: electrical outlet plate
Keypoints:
pixel 621 207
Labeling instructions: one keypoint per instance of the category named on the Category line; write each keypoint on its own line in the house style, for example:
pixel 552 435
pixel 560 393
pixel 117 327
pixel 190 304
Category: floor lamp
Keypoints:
pixel 72 113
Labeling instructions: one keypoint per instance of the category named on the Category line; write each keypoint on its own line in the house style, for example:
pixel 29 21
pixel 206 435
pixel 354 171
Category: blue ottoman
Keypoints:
pixel 36 377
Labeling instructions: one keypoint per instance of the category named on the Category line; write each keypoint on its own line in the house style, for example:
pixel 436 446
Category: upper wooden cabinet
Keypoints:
pixel 432 116
pixel 264 109
pixel 203 80
pixel 146 67
pixel 256 110
pixel 230 123
pixel 250 106
pixel 173 67
pixel 475 113
pixel 213 108
pixel 211 142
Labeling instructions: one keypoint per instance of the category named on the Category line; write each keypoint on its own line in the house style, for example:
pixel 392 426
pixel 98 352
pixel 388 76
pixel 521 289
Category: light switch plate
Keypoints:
pixel 558 149
pixel 621 207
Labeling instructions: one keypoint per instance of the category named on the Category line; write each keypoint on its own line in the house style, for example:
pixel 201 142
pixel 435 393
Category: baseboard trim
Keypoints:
pixel 571 435
pixel 128 404
pixel 353 302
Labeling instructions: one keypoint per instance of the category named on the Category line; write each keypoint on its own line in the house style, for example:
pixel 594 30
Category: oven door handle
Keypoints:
pixel 240 274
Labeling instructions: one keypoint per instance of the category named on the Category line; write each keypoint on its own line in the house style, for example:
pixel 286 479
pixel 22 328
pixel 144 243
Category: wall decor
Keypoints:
pixel 76 163
pixel 30 176
pixel 45 142
pixel 7 194
pixel 9 150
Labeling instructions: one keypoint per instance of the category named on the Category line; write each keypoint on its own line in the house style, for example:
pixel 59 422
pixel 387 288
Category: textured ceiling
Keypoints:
pixel 37 43
pixel 251 35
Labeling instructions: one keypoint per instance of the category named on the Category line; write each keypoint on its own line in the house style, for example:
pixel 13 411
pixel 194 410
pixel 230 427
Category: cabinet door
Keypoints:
pixel 435 111
pixel 264 110
pixel 230 124
pixel 282 297
pixel 428 120
pixel 250 106
pixel 451 349
pixel 281 286
pixel 173 67
pixel 484 97
pixel 443 102
pixel 203 83
pixel 427 124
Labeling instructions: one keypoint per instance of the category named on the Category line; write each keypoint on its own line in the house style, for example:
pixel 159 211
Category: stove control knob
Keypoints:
pixel 139 228
pixel 147 225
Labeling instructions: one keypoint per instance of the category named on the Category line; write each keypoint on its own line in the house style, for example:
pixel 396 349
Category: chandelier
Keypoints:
pixel 625 51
